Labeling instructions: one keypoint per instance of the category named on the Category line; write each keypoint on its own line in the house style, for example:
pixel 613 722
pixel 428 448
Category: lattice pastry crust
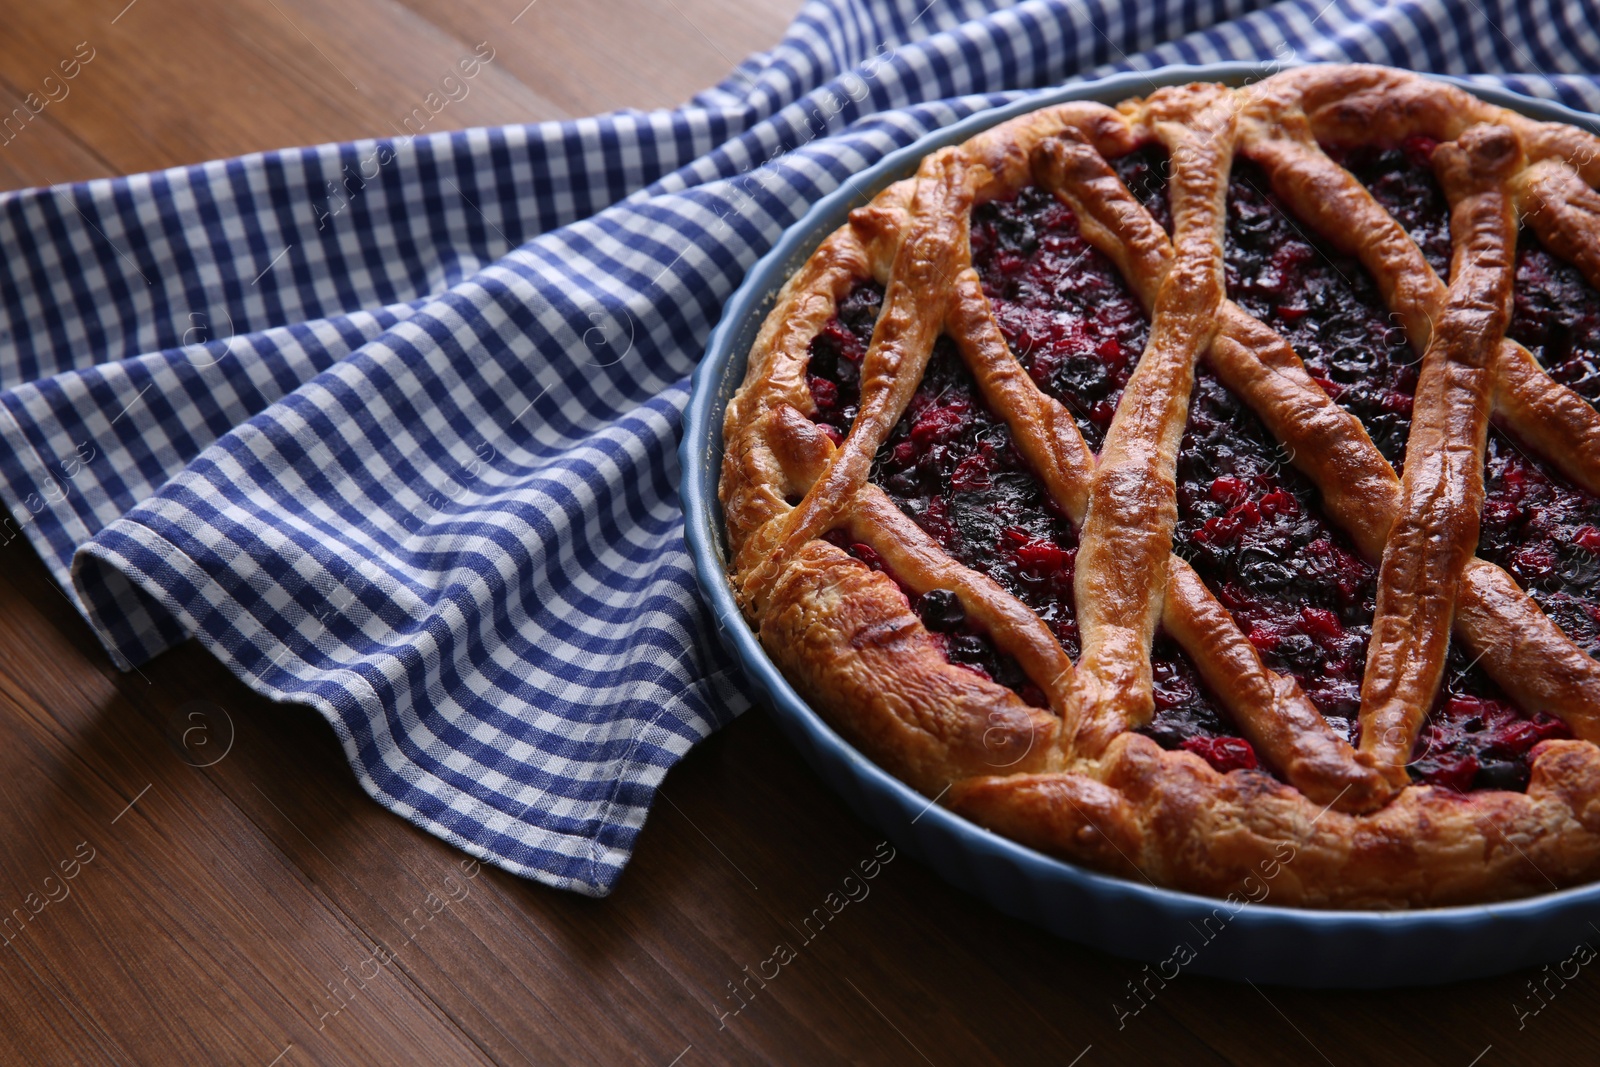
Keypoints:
pixel 1073 779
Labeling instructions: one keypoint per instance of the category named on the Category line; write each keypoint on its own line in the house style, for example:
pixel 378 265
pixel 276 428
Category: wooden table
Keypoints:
pixel 262 910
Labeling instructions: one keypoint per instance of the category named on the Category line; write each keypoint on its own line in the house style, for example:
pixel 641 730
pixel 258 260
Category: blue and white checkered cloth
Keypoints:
pixel 391 426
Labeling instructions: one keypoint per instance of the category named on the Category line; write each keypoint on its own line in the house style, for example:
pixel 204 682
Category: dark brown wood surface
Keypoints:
pixel 262 910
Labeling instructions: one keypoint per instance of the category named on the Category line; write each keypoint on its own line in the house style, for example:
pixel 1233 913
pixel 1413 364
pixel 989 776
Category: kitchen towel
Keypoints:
pixel 391 426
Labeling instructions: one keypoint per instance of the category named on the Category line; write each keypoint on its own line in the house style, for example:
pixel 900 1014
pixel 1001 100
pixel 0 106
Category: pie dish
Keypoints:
pixel 1062 482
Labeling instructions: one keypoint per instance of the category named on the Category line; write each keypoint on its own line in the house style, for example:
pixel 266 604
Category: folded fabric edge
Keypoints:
pixel 22 484
pixel 134 555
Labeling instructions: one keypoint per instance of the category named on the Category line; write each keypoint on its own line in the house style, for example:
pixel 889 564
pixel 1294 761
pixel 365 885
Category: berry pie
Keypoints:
pixel 1207 483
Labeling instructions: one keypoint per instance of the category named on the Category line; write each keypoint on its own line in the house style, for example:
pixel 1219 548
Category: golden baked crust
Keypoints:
pixel 1072 779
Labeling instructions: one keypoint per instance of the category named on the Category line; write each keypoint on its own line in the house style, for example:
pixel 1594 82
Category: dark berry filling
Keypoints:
pixel 1074 324
pixel 1187 715
pixel 1475 738
pixel 834 370
pixel 1251 525
pixel 1401 180
pixel 1546 533
pixel 1145 174
pixel 1556 316
pixel 950 464
pixel 1324 304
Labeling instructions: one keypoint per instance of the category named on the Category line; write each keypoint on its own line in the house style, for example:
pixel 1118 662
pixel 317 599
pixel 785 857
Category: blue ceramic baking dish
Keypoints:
pixel 1262 943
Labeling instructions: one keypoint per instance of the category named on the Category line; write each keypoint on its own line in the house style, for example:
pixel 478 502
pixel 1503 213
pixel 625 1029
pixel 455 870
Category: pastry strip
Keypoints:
pixel 1126 535
pixel 1441 492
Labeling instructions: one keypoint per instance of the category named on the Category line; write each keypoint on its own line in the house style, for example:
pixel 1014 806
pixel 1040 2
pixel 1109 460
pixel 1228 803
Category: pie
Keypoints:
pixel 1207 483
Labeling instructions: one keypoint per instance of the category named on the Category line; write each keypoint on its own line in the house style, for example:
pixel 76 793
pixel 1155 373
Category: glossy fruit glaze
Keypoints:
pixel 1248 521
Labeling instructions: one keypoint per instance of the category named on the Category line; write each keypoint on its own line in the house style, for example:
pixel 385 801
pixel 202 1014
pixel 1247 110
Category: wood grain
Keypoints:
pixel 230 913
pixel 182 81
